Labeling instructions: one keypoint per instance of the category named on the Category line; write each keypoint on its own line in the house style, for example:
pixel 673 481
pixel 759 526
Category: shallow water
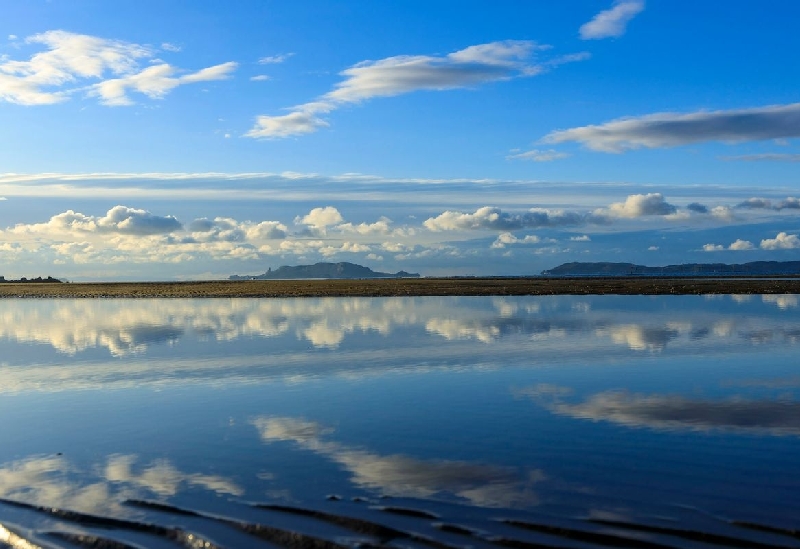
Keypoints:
pixel 558 421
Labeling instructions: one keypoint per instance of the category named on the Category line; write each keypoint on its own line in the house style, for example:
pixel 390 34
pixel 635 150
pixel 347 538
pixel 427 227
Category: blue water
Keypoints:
pixel 669 410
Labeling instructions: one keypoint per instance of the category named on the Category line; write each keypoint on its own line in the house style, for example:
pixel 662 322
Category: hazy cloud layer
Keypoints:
pixel 392 76
pixel 611 23
pixel 538 155
pixel 108 69
pixel 675 129
pixel 765 157
pixel 755 203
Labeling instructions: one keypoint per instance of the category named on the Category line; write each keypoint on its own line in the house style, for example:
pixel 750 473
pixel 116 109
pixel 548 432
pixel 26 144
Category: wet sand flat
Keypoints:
pixel 405 287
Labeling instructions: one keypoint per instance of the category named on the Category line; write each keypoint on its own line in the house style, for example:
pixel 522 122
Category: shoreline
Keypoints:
pixel 410 287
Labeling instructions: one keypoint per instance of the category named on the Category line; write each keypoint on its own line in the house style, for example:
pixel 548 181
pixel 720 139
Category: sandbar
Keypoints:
pixel 406 287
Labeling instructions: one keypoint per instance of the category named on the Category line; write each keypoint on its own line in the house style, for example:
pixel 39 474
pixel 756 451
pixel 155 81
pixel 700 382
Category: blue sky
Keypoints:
pixel 194 139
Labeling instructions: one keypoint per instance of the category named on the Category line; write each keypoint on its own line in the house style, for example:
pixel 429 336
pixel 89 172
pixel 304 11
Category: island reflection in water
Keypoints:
pixel 640 414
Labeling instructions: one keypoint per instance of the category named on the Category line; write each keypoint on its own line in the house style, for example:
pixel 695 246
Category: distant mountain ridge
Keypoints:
pixel 323 270
pixel 754 268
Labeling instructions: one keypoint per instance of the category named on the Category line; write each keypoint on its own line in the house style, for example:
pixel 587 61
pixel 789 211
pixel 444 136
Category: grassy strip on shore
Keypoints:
pixel 406 287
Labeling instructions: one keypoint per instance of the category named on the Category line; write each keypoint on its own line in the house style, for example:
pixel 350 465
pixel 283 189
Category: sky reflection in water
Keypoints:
pixel 593 406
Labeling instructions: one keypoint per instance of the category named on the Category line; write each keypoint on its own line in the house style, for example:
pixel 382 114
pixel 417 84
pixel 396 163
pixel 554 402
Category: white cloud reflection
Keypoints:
pixel 405 476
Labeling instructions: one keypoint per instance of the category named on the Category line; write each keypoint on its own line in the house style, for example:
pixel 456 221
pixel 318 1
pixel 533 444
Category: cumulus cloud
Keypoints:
pixel 490 218
pixel 741 245
pixel 230 230
pixel 393 76
pixel 119 219
pixel 738 245
pixel 537 155
pixel 782 241
pixel 696 207
pixel 611 23
pixel 321 218
pixel 581 238
pixel 259 78
pixel 109 69
pixel 640 205
pixel 674 129
pixel 505 239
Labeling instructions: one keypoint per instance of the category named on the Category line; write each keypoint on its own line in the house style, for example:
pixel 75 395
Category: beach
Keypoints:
pixel 405 287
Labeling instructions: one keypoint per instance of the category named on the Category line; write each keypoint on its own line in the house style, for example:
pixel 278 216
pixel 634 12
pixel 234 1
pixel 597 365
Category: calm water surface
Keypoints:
pixel 668 421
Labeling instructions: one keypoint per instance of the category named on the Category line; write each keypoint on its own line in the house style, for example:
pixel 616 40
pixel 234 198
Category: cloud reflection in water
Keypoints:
pixel 405 476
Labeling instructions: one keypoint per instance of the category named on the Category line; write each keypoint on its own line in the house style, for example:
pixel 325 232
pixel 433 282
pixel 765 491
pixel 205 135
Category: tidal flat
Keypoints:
pixel 409 287
pixel 566 421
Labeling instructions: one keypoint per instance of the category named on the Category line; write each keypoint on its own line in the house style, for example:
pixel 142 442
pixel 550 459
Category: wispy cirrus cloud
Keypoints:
pixel 275 59
pixel 765 157
pixel 108 69
pixel 675 129
pixel 538 155
pixel 611 23
pixel 401 74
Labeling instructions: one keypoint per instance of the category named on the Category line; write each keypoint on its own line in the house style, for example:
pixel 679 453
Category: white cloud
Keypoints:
pixel 392 76
pixel 741 245
pixel 537 155
pixel 119 219
pixel 652 249
pixel 155 82
pixel 611 23
pixel 639 205
pixel 505 239
pixel 259 78
pixel 738 245
pixel 321 218
pixel 675 129
pixel 782 241
pixel 581 238
pixel 274 59
pixel 674 412
pixel 71 62
pixel 167 46
pixel 405 476
pixel 491 218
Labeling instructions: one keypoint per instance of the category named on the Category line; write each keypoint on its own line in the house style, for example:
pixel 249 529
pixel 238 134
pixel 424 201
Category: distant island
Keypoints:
pixel 323 270
pixel 755 268
pixel 38 279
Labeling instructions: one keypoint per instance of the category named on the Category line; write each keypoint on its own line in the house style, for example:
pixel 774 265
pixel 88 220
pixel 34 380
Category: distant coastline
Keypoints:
pixel 37 280
pixel 755 268
pixel 341 270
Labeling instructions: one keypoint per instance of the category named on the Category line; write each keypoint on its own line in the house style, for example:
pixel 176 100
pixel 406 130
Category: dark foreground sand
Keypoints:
pixel 407 287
